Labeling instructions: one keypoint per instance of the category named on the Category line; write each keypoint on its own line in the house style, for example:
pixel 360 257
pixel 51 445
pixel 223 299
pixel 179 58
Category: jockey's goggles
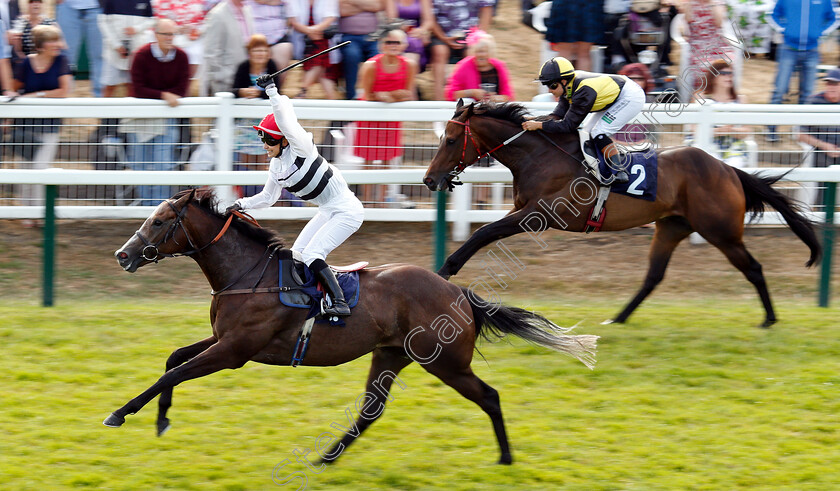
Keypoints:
pixel 268 139
pixel 551 85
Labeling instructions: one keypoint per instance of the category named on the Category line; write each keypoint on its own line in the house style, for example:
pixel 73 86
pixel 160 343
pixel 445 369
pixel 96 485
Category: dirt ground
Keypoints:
pixel 573 267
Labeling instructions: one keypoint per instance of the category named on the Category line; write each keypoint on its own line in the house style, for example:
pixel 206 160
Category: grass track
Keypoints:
pixel 684 397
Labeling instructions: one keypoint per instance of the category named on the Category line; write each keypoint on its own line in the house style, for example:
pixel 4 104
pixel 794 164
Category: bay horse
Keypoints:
pixel 405 313
pixel 696 192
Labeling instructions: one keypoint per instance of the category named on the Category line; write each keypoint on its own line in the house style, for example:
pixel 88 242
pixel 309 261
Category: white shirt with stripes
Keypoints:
pixel 299 169
pixel 304 173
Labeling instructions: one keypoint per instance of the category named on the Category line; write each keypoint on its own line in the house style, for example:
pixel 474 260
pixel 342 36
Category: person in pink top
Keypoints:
pixel 386 77
pixel 480 75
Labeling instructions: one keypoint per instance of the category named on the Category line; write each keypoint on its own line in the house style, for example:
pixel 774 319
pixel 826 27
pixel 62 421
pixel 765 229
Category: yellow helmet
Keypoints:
pixel 558 68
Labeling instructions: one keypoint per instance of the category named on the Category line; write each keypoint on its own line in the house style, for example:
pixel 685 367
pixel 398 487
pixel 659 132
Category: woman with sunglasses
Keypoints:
pixel 297 167
pixel 614 99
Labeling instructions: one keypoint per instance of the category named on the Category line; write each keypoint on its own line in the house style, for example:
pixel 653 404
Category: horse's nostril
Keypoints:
pixel 122 255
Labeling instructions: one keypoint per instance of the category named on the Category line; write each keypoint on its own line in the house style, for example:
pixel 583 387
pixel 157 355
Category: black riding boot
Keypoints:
pixel 339 306
pixel 602 142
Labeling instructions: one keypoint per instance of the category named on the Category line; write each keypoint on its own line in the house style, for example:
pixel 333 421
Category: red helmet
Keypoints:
pixel 269 126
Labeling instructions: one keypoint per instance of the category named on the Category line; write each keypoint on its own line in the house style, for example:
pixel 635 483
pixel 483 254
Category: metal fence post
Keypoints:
pixel 829 201
pixel 49 245
pixel 440 230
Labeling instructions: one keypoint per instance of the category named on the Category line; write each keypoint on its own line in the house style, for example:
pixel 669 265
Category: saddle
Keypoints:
pixel 300 289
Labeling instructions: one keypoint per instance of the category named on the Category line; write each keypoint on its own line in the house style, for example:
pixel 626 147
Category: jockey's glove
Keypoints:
pixel 234 207
pixel 265 80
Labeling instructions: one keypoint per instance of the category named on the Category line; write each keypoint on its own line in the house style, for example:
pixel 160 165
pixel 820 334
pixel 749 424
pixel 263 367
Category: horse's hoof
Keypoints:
pixel 607 322
pixel 114 421
pixel 767 323
pixel 505 460
pixel 163 426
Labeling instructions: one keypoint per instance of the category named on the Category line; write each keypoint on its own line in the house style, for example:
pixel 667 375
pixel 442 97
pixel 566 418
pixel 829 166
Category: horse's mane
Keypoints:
pixel 506 111
pixel 206 199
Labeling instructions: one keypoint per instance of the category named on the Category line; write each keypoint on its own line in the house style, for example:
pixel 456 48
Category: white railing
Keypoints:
pixel 459 211
pixel 224 109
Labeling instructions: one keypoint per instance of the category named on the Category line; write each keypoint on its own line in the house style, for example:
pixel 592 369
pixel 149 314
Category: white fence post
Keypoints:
pixel 704 129
pixel 224 143
pixel 461 199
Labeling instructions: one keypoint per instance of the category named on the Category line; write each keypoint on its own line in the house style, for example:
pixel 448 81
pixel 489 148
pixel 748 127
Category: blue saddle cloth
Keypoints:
pixel 642 170
pixel 302 287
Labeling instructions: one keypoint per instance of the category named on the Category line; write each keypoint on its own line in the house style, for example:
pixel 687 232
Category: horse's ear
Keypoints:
pixel 470 109
pixel 191 196
pixel 460 104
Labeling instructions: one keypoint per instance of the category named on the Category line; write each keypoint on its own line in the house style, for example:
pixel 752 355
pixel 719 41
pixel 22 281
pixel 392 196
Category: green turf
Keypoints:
pixel 683 397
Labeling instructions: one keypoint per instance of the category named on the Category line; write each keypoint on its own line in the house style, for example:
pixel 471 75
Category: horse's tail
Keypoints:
pixel 758 192
pixel 495 321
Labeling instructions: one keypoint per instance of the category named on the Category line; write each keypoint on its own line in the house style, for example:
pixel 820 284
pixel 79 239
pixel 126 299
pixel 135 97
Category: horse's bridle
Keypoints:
pixel 468 135
pixel 151 253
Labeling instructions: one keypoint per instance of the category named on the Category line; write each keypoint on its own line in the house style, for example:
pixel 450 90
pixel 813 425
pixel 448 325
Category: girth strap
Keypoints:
pixel 270 289
pixel 599 211
pixel 302 344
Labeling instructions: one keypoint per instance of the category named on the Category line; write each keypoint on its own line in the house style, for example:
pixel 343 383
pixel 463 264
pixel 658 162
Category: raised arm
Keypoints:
pixel 300 140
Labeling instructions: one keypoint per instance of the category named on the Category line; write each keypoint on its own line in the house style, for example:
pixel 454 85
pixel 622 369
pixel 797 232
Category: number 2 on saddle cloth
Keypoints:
pixel 642 169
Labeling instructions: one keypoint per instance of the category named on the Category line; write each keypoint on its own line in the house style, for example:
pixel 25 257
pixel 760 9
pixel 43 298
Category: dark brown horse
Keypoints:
pixel 552 189
pixel 405 314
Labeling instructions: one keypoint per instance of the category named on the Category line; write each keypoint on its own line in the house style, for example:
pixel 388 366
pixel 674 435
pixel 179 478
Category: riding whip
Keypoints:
pixel 264 80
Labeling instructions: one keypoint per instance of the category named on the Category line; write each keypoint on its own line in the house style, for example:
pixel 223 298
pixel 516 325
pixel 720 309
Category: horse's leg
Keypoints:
pixel 738 255
pixel 386 364
pixel 177 358
pixel 473 388
pixel 505 227
pixel 669 232
pixel 217 357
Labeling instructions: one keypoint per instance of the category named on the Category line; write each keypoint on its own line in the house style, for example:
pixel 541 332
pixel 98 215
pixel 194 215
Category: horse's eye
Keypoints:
pixel 450 141
pixel 157 223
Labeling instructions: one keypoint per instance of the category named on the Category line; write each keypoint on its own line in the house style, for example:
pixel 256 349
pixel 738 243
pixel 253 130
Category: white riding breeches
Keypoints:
pixel 329 228
pixel 627 106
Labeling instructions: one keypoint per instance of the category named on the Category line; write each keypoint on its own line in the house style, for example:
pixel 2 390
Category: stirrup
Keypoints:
pixel 334 309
